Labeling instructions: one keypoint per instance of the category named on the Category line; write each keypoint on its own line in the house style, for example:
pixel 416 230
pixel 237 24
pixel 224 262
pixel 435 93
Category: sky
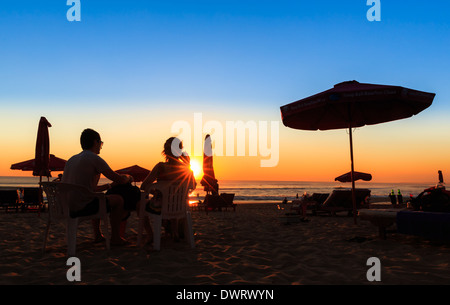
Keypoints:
pixel 136 70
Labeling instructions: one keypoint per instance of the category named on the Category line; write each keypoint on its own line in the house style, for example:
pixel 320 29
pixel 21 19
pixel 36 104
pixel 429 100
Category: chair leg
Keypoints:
pixel 106 232
pixel 141 230
pixel 46 236
pixel 189 233
pixel 72 227
pixel 157 223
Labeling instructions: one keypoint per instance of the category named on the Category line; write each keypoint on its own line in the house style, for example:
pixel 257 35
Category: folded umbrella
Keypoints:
pixel 42 152
pixel 209 181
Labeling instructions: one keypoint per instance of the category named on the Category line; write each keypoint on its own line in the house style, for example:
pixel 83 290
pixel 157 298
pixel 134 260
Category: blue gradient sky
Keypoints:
pixel 131 68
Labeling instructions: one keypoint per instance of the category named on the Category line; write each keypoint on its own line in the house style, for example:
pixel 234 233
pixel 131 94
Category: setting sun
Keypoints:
pixel 196 168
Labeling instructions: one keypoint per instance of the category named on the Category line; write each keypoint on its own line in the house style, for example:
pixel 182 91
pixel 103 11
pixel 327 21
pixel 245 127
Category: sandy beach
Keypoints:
pixel 249 246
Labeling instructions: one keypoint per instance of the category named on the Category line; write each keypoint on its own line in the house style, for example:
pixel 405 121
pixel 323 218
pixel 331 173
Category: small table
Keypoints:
pixel 382 218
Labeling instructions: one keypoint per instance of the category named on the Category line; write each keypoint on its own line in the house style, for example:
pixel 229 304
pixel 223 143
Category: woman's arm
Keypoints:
pixel 151 177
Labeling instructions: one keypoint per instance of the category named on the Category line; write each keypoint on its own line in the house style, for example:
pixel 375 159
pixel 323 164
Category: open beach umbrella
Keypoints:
pixel 352 104
pixel 55 165
pixel 347 177
pixel 138 173
pixel 209 180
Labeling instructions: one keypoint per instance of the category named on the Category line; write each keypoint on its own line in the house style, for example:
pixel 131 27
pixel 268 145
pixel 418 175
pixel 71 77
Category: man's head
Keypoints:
pixel 90 140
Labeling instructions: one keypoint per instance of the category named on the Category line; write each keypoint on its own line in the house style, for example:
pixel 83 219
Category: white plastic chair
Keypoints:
pixel 174 206
pixel 59 200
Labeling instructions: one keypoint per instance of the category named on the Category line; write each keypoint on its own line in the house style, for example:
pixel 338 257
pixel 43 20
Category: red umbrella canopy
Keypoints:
pixel 209 180
pixel 347 177
pixel 138 173
pixel 55 164
pixel 354 104
pixel 42 153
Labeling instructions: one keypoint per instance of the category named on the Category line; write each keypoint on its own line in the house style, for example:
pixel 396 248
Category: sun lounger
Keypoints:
pixel 341 200
pixel 219 202
pixel 9 199
pixel 31 199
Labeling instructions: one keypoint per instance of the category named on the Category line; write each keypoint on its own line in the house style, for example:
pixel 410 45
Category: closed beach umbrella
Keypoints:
pixel 347 177
pixel 352 104
pixel 42 152
pixel 43 162
pixel 138 173
pixel 209 180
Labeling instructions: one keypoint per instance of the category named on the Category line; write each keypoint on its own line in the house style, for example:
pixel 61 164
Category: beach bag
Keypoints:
pixel 432 200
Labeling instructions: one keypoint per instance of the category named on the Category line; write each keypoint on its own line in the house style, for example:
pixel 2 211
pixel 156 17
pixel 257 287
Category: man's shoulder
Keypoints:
pixel 86 155
pixel 89 154
pixel 74 157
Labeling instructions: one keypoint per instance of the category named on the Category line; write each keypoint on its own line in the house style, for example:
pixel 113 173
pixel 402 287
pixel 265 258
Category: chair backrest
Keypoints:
pixel 8 196
pixel 343 198
pixel 31 195
pixel 56 208
pixel 319 197
pixel 60 196
pixel 174 199
pixel 228 198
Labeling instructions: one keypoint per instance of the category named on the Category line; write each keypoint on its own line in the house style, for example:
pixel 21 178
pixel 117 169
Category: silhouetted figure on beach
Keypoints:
pixel 175 168
pixel 85 169
pixel 399 198
pixel 58 178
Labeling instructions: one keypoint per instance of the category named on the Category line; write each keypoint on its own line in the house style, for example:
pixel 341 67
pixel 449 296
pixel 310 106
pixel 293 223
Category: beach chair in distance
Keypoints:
pixel 219 202
pixel 228 201
pixel 59 199
pixel 31 199
pixel 340 200
pixel 174 207
pixel 9 199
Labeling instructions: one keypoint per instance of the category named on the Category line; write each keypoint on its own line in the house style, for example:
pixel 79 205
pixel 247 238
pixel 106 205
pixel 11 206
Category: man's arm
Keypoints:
pixel 117 178
pixel 103 168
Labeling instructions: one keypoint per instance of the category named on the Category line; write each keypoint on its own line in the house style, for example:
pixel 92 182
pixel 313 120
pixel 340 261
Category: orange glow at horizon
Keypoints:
pixel 404 151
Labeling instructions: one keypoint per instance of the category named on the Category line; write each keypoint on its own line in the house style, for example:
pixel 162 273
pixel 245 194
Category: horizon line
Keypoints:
pixel 256 180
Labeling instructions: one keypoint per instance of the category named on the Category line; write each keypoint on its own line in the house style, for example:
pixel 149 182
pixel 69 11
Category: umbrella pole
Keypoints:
pixel 40 196
pixel 352 173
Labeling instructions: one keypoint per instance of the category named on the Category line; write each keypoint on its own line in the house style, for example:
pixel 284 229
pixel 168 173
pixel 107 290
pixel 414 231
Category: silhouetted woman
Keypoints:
pixel 176 168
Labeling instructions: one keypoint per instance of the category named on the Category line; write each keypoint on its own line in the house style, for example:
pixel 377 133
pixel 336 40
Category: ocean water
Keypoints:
pixel 261 191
